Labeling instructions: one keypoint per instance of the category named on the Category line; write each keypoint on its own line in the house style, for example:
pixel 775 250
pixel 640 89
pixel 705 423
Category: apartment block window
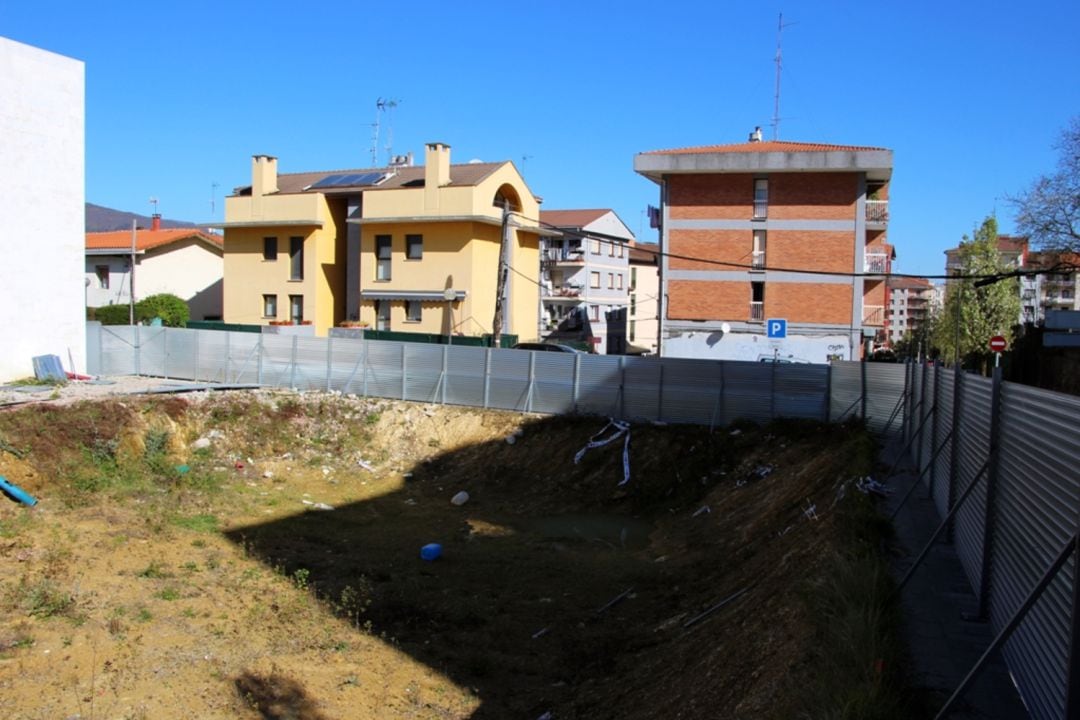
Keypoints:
pixel 382 257
pixel 102 272
pixel 296 258
pixel 611 249
pixel 412 311
pixel 595 247
pixel 269 306
pixel 619 282
pixel 621 249
pixel 757 301
pixel 594 313
pixel 757 258
pixel 633 278
pixel 611 281
pixel 269 248
pixel 382 314
pixel 633 304
pixel 414 247
pixel 594 279
pixel 296 309
pixel 761 198
pixel 633 330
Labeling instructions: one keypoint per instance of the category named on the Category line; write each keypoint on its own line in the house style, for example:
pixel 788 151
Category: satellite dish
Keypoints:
pixel 725 328
pixel 449 294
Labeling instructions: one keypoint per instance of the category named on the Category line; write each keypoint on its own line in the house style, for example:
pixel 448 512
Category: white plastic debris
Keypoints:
pixel 322 506
pixel 460 498
pixel 201 444
pixel 870 486
pixel 735 432
pixel 215 434
pixel 701 510
pixel 325 470
pixel 267 474
pixel 365 464
pixel 621 429
pixel 810 511
pixel 511 439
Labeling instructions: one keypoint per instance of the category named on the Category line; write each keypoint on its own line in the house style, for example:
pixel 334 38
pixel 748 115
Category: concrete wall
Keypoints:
pixel 42 110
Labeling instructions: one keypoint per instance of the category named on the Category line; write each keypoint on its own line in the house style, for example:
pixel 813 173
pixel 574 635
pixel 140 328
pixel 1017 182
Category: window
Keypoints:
pixel 296 309
pixel 382 314
pixel 621 248
pixel 619 282
pixel 296 258
pixel 757 301
pixel 102 276
pixel 761 198
pixel 633 329
pixel 382 258
pixel 611 249
pixel 269 248
pixel 594 279
pixel 633 278
pixel 412 311
pixel 594 313
pixel 757 258
pixel 611 281
pixel 270 306
pixel 595 247
pixel 633 304
pixel 414 247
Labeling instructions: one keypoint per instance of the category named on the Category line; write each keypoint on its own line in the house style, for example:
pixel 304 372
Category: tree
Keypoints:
pixel 1049 211
pixel 172 310
pixel 984 309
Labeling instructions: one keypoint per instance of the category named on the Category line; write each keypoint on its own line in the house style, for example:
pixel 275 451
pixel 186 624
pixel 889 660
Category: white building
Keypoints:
pixel 911 305
pixel 644 315
pixel 42 150
pixel 183 262
pixel 584 277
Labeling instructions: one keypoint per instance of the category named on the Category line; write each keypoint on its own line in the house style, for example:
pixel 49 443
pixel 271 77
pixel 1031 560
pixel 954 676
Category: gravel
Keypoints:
pixel 85 389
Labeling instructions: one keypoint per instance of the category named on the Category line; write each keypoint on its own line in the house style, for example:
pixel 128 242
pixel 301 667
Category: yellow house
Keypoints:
pixel 406 248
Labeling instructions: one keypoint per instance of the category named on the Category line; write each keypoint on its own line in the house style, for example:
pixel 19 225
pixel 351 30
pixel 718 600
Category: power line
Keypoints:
pixel 616 240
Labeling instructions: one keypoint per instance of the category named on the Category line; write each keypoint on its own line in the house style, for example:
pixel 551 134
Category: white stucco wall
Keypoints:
pixel 645 308
pixel 717 345
pixel 42 162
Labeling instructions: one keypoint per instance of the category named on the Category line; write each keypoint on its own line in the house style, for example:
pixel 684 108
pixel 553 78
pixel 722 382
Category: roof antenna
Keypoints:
pixel 382 106
pixel 779 66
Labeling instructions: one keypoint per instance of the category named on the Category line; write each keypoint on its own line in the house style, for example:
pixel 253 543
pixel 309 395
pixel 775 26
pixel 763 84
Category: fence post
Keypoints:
pixel 922 412
pixel 991 495
pixel 954 447
pixel 862 400
pixel 487 376
pixel 364 348
pixel 165 352
pixel 934 422
pixel 292 364
pixel 577 380
pixel 198 335
pixel 329 360
pixel 1072 679
pixel 445 379
pixel 138 352
pixel 827 404
pixel 228 354
pixel 622 387
pixel 532 381
pixel 772 390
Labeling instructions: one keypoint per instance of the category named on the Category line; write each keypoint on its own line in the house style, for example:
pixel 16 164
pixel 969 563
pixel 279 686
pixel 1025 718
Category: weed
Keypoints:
pixel 191 567
pixel 372 418
pixel 44 599
pixel 300 578
pixel 169 593
pixel 154 571
pixel 144 615
pixel 11 527
pixel 198 542
pixel 188 612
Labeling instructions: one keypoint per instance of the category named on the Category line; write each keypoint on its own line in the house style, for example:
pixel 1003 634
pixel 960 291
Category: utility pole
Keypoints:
pixel 500 284
pixel 131 276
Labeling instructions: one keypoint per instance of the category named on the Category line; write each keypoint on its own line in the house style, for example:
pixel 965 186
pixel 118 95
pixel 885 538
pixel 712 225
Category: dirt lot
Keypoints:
pixel 182 562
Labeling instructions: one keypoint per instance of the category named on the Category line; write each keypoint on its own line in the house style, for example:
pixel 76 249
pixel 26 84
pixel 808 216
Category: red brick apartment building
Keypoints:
pixel 742 223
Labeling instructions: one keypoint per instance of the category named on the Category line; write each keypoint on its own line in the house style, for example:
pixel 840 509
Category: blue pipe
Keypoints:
pixel 17 492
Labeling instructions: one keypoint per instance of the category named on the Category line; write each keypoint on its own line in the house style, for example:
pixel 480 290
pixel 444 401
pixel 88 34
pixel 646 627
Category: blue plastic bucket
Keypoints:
pixel 431 551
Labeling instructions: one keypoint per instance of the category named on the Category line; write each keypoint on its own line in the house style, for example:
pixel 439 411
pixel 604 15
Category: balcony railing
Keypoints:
pixel 757 260
pixel 876 263
pixel 757 311
pixel 873 315
pixel 563 291
pixel 877 211
pixel 563 255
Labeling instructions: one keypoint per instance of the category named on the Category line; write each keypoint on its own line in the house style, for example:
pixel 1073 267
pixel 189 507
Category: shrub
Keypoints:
pixel 172 310
pixel 110 314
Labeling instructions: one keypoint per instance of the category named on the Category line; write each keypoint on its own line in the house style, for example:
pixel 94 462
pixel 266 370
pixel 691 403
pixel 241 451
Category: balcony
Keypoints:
pixel 877 263
pixel 873 315
pixel 757 260
pixel 568 292
pixel 757 312
pixel 877 212
pixel 562 256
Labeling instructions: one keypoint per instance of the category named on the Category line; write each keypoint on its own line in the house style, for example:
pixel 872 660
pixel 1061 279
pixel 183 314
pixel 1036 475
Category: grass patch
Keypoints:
pixel 154 571
pixel 197 523
pixel 41 598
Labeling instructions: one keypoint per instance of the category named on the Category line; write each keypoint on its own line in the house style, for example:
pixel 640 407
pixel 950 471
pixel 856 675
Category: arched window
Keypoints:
pixel 507 194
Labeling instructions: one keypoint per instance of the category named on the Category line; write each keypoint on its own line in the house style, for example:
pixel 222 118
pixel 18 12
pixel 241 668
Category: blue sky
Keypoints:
pixel 969 96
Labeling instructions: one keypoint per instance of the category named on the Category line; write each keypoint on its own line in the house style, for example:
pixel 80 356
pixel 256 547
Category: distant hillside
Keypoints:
pixel 103 219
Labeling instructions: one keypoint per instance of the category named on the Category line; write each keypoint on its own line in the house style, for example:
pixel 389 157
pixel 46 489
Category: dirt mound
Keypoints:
pixel 258 555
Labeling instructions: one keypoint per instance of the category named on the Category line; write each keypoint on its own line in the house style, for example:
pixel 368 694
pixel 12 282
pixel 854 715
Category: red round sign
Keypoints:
pixel 998 344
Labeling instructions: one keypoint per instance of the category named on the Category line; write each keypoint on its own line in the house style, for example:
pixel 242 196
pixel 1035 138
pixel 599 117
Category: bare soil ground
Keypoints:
pixel 178 564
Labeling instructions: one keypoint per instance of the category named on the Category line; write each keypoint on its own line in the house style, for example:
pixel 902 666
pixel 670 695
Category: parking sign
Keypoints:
pixel 776 328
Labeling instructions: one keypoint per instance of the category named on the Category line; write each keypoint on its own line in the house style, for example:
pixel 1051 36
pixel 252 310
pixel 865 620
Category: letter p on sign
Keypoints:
pixel 776 328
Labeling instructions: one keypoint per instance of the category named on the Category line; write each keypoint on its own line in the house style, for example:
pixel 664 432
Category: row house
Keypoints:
pixel 772 250
pixel 183 262
pixel 403 247
pixel 584 277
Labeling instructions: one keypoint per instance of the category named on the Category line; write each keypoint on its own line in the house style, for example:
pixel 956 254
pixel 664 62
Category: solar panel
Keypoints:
pixel 348 180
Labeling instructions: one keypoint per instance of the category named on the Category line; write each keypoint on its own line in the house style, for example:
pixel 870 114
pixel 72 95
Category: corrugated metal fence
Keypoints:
pixel 1016 530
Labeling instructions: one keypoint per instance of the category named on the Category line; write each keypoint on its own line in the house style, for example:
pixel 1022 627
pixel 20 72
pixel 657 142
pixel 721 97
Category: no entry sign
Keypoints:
pixel 998 344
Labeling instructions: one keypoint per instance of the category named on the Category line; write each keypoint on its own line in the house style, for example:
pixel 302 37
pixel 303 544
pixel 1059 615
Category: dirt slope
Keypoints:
pixel 161 579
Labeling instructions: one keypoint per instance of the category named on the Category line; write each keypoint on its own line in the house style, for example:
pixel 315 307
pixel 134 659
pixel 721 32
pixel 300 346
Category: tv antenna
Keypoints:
pixel 383 106
pixel 213 198
pixel 779 66
pixel 154 204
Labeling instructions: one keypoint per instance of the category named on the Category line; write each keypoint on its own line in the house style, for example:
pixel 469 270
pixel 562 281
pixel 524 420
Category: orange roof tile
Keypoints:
pixel 646 253
pixel 762 147
pixel 572 218
pixel 146 239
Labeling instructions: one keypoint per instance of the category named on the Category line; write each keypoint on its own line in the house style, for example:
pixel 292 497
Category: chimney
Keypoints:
pixel 756 135
pixel 155 222
pixel 263 180
pixel 436 172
